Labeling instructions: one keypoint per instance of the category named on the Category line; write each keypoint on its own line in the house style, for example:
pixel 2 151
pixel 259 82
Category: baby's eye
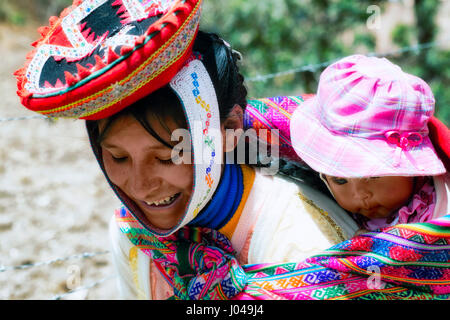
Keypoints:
pixel 339 181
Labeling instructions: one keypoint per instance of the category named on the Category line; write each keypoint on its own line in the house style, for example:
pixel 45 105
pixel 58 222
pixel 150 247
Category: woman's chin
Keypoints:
pixel 165 217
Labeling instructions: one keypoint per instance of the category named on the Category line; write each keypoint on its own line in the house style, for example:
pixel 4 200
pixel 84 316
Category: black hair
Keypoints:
pixel 221 63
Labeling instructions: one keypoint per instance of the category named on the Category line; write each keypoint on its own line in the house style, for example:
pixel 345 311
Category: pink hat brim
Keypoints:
pixel 346 156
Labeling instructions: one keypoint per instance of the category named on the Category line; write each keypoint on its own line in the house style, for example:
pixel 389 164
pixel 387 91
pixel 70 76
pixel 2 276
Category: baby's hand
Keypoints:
pixel 361 231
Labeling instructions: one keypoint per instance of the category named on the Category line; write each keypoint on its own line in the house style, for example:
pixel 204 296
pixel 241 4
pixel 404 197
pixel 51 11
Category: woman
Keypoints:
pixel 264 216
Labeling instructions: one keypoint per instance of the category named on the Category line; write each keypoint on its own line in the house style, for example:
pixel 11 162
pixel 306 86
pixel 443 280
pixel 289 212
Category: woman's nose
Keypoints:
pixel 144 182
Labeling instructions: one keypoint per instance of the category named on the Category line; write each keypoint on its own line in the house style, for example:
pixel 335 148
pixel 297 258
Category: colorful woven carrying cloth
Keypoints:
pixel 402 262
pixel 101 56
pixel 198 262
pixel 274 113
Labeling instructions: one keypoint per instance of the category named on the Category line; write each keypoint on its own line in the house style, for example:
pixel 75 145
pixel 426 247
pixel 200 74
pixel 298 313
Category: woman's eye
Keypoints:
pixel 339 181
pixel 167 162
pixel 118 159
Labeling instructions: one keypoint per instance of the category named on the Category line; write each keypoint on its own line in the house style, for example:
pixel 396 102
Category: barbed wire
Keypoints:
pixel 84 255
pixel 24 118
pixel 87 287
pixel 315 67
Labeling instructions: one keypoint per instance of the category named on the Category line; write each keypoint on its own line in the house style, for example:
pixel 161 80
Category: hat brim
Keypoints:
pixel 346 156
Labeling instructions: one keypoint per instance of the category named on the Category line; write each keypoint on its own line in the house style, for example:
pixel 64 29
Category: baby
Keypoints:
pixel 366 134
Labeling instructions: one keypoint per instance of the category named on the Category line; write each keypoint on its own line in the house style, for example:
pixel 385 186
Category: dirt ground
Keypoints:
pixel 54 201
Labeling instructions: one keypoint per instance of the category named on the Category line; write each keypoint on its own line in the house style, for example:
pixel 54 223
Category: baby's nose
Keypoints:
pixel 361 192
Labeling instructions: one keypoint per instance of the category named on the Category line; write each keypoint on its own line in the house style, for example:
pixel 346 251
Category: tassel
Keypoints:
pixel 59 84
pixel 117 3
pixel 43 31
pixel 91 38
pixel 70 78
pixel 140 40
pixel 19 73
pixel 86 32
pixel 48 85
pixel 36 43
pixel 82 71
pixel 25 95
pixel 125 18
pixel 53 20
pixel 99 64
pixel 125 50
pixel 82 26
pixel 122 9
pixel 112 56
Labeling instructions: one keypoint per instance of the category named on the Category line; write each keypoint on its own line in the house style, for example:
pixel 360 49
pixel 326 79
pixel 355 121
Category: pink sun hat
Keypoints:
pixel 369 118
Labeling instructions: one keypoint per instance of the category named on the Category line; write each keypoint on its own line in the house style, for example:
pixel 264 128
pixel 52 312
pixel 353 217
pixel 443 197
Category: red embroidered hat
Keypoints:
pixel 100 56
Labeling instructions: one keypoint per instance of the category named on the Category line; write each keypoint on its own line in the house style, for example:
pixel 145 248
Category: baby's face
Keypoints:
pixel 375 197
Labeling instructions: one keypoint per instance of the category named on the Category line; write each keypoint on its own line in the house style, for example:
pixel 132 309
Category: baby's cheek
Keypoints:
pixel 346 200
pixel 394 198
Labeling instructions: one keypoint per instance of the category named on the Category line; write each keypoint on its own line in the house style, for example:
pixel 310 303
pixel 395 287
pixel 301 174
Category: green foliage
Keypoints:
pixel 275 35
pixel 11 14
pixel 431 64
pixel 20 12
pixel 402 35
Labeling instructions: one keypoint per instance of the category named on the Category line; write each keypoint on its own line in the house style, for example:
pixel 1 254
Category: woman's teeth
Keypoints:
pixel 162 202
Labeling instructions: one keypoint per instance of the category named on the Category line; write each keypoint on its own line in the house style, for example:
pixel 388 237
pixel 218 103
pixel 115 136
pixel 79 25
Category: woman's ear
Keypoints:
pixel 232 128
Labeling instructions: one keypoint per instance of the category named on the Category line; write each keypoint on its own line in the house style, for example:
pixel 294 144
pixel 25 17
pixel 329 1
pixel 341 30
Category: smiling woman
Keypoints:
pixel 142 167
pixel 136 149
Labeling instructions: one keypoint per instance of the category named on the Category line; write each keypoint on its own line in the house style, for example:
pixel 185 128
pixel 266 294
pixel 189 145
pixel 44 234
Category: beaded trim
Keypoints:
pixel 196 92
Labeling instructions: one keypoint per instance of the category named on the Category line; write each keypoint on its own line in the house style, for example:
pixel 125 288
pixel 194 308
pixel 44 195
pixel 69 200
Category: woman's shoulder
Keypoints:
pixel 286 190
pixel 289 220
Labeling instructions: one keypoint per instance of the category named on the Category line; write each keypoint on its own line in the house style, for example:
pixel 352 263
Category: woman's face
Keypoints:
pixel 375 197
pixel 142 168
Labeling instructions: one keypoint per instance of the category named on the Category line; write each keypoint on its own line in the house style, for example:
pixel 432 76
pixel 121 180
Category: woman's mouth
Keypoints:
pixel 163 203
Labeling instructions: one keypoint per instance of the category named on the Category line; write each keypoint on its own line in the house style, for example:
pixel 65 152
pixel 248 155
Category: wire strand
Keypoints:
pixel 87 287
pixel 315 67
pixel 84 255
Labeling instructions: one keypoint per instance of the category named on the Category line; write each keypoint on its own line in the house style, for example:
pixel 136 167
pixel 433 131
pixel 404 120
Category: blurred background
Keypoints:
pixel 54 202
